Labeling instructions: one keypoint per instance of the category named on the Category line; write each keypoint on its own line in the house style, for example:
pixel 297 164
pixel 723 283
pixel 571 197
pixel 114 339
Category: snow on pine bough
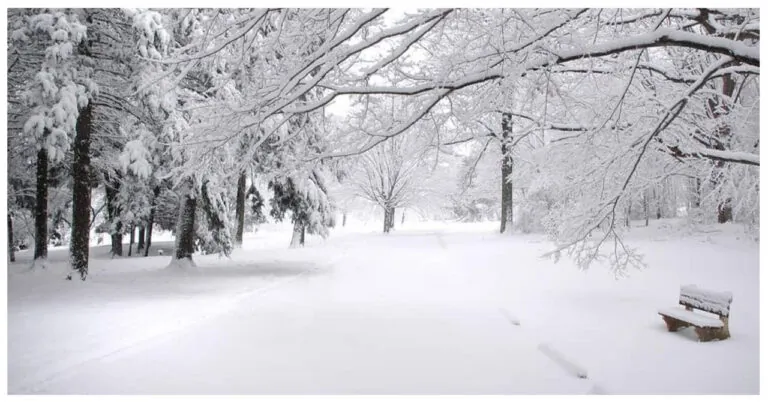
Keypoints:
pixel 707 327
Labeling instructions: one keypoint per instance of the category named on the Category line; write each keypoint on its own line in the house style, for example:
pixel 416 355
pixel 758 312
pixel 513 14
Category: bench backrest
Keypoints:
pixel 710 301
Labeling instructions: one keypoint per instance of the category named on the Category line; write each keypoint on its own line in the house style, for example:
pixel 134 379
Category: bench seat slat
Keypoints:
pixel 692 317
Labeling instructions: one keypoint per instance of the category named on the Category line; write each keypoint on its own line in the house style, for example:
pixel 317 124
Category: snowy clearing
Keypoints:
pixel 430 309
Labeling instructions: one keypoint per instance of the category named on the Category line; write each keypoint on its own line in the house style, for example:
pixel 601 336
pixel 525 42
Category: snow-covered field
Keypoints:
pixel 430 309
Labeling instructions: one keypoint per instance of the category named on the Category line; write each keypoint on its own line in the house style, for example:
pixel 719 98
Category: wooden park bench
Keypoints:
pixel 707 327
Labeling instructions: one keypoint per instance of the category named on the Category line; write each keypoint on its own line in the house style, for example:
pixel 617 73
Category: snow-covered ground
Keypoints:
pixel 430 309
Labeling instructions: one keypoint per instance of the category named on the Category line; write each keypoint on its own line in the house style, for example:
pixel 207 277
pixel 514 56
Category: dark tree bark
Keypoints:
pixel 386 220
pixel 41 206
pixel 240 210
pixel 132 240
pixel 185 233
pixel 389 215
pixel 725 211
pixel 140 241
pixel 507 164
pixel 11 253
pixel 151 220
pixel 81 194
pixel 112 188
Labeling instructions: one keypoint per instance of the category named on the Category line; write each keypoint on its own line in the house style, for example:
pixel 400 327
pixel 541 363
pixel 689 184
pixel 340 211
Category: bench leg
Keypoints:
pixel 707 334
pixel 726 332
pixel 673 324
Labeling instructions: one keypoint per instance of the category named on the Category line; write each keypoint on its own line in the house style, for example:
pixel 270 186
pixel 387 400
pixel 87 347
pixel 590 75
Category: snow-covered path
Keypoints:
pixel 390 323
pixel 419 312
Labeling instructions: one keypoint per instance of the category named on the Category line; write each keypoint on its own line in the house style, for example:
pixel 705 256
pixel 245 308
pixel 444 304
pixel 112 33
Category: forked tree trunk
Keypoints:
pixel 11 253
pixel 240 210
pixel 507 165
pixel 185 233
pixel 41 206
pixel 81 194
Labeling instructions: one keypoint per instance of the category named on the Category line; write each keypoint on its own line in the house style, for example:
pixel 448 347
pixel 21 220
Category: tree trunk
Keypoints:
pixel 185 232
pixel 657 201
pixel 240 210
pixel 151 220
pixel 723 135
pixel 140 244
pixel 41 206
pixel 629 212
pixel 389 219
pixel 117 244
pixel 148 234
pixel 344 219
pixel 725 211
pixel 718 108
pixel 507 165
pixel 697 193
pixel 388 214
pixel 111 189
pixel 402 221
pixel 81 194
pixel 297 238
pixel 645 206
pixel 131 241
pixel 11 253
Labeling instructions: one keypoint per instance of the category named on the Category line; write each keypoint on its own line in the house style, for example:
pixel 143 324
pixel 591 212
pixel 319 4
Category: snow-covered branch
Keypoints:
pixel 716 155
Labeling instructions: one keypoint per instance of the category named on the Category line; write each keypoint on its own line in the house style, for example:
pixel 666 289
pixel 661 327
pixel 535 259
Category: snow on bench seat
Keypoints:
pixel 692 317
